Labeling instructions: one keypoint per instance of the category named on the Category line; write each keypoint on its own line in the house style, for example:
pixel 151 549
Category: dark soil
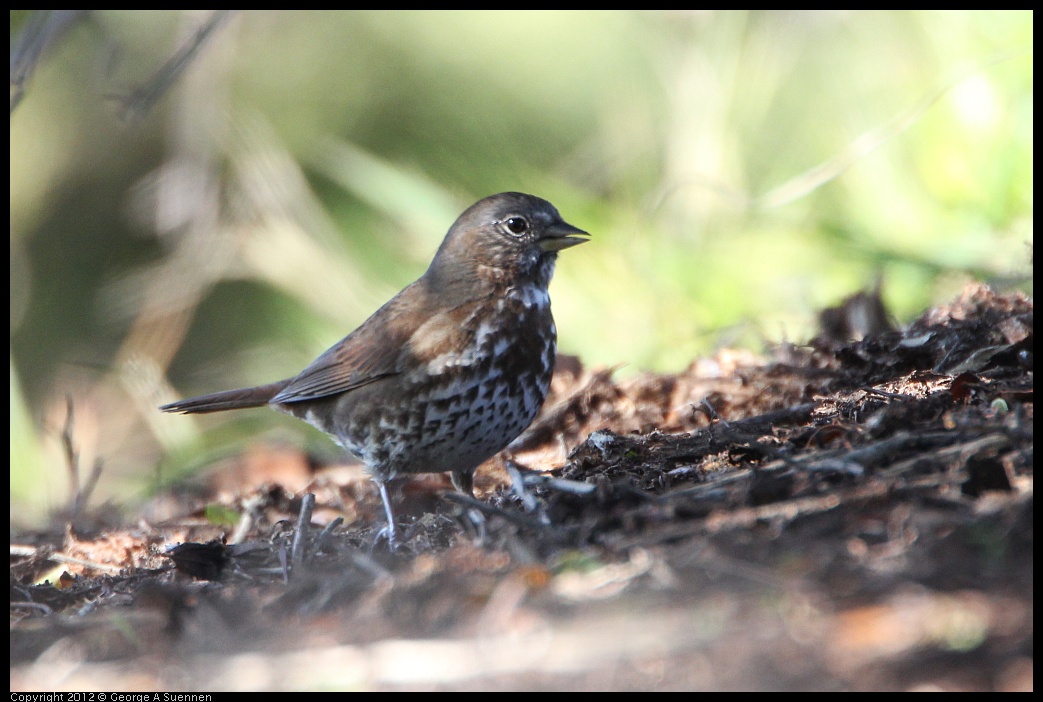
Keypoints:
pixel 849 515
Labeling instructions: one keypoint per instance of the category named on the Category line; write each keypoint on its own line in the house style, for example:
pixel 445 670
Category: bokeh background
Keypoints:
pixel 204 201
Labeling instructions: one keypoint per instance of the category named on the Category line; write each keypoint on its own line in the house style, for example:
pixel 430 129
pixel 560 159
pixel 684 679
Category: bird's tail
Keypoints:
pixel 228 400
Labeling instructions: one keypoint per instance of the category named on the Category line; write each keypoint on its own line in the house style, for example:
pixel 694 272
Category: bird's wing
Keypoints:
pixel 393 339
pixel 351 363
pixel 366 355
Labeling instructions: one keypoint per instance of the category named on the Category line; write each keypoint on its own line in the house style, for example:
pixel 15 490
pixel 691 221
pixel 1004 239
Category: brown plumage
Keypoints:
pixel 451 369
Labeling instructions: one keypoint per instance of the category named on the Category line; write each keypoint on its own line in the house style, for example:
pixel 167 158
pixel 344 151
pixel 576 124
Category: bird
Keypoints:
pixel 449 371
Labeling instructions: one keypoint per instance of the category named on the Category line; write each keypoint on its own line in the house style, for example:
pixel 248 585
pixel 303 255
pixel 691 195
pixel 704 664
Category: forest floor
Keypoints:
pixel 849 515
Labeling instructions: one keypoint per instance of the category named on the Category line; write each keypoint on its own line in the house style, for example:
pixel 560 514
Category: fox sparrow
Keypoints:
pixel 451 369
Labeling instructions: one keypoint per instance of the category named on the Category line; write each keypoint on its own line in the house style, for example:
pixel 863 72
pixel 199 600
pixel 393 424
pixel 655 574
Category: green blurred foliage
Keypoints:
pixel 738 171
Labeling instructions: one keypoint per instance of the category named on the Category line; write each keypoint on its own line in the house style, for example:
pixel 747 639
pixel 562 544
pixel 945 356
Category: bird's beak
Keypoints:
pixel 562 235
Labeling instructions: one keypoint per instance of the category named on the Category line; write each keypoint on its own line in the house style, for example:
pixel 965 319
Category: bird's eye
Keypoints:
pixel 517 225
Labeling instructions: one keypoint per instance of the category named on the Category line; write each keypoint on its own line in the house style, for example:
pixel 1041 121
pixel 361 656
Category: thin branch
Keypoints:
pixel 142 99
pixel 43 29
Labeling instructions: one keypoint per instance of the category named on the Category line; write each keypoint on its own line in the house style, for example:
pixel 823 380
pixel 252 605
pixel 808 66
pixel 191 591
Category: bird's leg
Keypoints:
pixel 390 528
pixel 463 481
